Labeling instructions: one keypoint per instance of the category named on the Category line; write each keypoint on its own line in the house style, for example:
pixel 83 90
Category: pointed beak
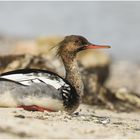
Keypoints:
pixel 93 46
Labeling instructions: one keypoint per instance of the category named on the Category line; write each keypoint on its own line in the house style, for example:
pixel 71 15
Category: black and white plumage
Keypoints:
pixel 36 87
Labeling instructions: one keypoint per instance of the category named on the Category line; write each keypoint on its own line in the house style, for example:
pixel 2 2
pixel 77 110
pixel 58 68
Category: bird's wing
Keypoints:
pixel 31 76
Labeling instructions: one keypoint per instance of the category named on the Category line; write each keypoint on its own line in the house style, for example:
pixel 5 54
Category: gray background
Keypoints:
pixel 113 23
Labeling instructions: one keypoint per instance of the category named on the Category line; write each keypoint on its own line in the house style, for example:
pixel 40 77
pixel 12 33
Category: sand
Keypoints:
pixel 88 122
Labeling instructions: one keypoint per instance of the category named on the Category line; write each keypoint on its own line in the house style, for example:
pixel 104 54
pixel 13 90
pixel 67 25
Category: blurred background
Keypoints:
pixel 113 23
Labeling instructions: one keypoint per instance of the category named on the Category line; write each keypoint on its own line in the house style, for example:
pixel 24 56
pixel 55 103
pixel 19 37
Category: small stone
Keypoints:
pixel 103 121
pixel 20 116
pixel 75 114
pixel 137 129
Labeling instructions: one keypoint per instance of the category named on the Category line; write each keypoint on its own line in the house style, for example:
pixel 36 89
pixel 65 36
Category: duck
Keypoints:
pixel 43 90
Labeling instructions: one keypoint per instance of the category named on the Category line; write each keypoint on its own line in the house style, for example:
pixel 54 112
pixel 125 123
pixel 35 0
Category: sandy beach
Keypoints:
pixel 88 122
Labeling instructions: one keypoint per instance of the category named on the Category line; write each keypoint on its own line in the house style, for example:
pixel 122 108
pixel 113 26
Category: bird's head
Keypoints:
pixel 73 44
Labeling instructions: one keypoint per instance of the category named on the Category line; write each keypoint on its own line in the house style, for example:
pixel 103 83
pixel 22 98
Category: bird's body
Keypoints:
pixel 39 90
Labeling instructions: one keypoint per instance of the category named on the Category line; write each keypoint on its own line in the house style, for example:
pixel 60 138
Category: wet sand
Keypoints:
pixel 89 122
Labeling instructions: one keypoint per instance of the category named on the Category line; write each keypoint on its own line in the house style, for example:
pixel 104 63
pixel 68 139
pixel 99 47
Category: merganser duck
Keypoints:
pixel 39 90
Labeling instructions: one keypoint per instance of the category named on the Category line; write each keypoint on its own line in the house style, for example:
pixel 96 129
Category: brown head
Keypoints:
pixel 71 45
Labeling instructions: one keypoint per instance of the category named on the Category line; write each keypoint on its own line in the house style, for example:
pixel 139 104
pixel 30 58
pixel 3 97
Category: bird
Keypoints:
pixel 40 90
